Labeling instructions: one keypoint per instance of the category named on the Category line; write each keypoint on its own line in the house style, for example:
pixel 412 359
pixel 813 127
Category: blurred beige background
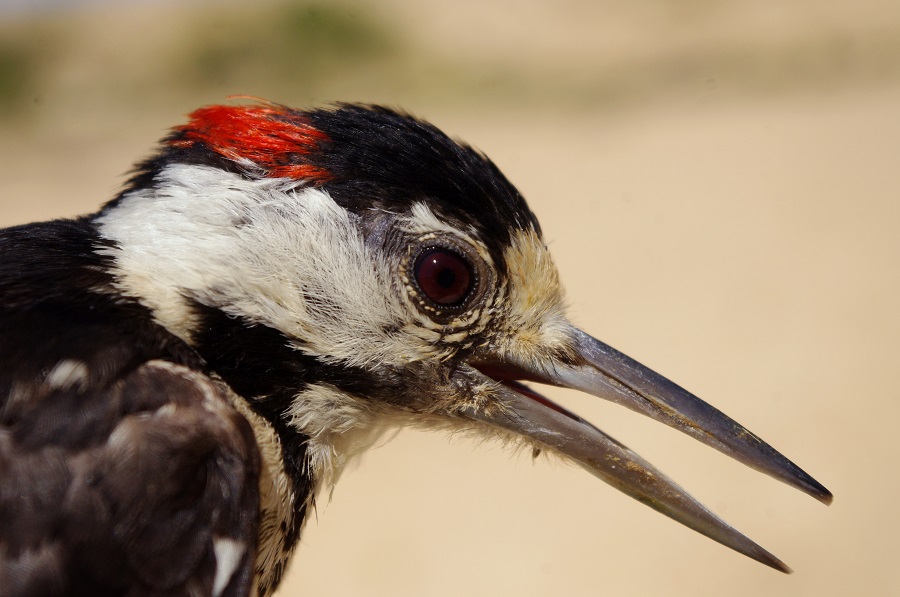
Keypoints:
pixel 719 182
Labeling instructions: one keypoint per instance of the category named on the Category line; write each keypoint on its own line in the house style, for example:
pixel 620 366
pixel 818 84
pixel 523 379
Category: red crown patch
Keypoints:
pixel 272 137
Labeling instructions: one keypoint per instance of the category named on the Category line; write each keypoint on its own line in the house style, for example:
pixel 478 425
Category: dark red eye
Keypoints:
pixel 444 276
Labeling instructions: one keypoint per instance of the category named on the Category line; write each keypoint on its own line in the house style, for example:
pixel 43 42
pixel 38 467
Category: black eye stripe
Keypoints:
pixel 444 276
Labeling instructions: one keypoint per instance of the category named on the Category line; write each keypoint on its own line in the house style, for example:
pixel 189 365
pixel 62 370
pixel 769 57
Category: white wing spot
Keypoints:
pixel 228 555
pixel 66 374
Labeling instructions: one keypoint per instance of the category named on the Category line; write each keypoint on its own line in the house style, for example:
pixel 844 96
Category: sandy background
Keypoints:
pixel 719 184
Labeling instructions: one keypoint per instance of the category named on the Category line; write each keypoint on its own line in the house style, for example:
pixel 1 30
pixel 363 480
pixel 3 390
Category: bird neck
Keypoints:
pixel 256 362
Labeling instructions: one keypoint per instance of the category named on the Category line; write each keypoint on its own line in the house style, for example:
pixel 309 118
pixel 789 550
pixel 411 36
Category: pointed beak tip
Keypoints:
pixel 814 489
pixel 764 557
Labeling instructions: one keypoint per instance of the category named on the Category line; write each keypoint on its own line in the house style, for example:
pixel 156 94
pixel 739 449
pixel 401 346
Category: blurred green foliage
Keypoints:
pixel 170 55
pixel 288 45
pixel 17 69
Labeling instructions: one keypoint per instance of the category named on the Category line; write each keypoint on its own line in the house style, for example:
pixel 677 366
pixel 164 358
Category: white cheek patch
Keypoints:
pixel 266 250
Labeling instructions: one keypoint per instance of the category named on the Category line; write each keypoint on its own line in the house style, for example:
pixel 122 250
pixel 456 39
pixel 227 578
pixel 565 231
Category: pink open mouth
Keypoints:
pixel 510 376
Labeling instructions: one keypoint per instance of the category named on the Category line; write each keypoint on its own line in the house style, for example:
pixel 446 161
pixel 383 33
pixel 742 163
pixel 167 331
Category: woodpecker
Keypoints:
pixel 185 371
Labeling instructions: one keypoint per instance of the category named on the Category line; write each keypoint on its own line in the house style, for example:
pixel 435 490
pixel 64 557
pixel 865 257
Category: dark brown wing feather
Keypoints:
pixel 153 492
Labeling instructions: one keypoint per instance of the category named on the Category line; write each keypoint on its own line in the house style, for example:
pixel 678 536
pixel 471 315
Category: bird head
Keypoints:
pixel 351 269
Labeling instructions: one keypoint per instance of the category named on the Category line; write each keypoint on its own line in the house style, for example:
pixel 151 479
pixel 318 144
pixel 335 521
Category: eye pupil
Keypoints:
pixel 446 278
pixel 443 276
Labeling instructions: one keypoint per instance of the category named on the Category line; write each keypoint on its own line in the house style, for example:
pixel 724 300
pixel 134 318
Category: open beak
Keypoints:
pixel 598 369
